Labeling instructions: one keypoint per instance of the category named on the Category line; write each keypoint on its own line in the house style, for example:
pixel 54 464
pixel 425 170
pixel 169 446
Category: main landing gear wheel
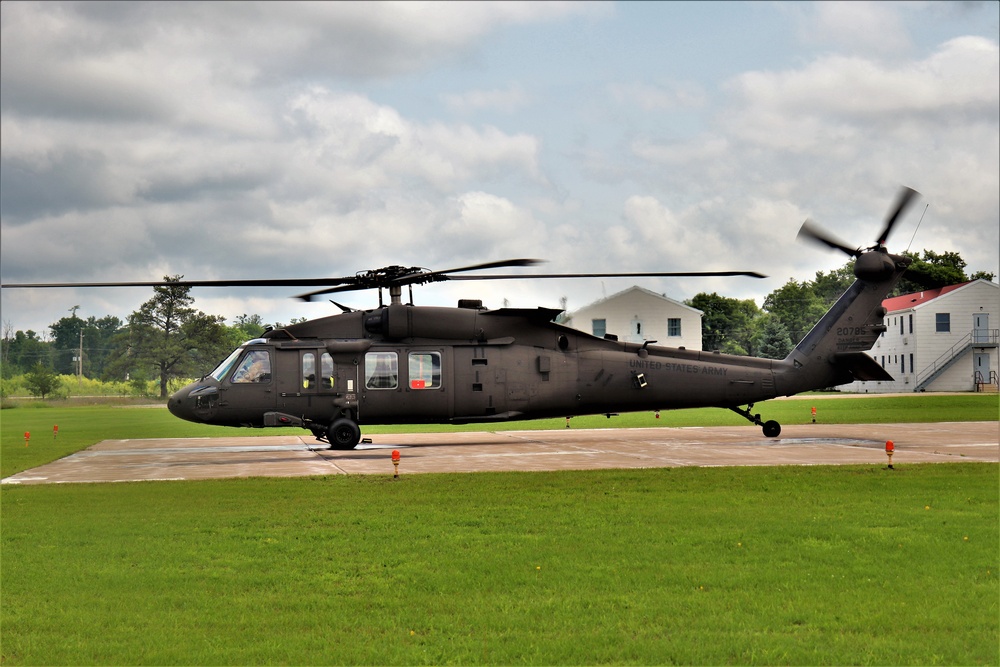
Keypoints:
pixel 344 434
pixel 771 428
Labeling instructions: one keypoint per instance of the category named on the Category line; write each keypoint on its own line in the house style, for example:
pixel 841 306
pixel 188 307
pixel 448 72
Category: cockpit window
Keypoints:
pixel 255 367
pixel 222 369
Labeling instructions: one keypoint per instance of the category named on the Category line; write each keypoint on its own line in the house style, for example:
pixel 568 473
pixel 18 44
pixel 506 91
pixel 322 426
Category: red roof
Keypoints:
pixel 911 300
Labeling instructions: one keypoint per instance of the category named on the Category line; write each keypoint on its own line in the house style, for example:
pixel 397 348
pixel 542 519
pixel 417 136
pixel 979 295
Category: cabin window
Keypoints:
pixel 600 327
pixel 425 370
pixel 942 322
pixel 255 367
pixel 673 326
pixel 326 371
pixel 381 370
pixel 308 370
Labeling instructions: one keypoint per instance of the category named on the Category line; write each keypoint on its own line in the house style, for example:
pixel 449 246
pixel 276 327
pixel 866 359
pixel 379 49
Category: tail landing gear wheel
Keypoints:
pixel 344 434
pixel 771 428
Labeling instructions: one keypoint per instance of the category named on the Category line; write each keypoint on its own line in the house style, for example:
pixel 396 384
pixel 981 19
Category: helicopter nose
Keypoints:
pixel 194 403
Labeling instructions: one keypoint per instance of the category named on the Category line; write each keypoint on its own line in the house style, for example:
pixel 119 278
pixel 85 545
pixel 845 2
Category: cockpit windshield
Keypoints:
pixel 223 369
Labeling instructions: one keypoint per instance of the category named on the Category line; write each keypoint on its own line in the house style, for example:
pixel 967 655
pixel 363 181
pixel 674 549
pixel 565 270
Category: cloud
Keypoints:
pixel 285 139
pixel 871 27
pixel 839 134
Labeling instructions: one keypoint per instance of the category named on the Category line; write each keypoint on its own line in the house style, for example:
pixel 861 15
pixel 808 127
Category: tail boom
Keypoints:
pixel 833 352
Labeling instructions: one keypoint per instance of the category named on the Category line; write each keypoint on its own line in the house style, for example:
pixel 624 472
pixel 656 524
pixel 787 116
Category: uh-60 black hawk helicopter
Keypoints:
pixel 400 363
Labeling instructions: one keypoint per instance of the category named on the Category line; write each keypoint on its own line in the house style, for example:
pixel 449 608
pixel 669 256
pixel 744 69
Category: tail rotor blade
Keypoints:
pixel 905 198
pixel 813 233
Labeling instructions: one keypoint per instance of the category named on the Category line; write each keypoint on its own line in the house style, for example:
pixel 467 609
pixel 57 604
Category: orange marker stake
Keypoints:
pixel 27 437
pixel 814 415
pixel 395 463
pixel 55 431
pixel 889 449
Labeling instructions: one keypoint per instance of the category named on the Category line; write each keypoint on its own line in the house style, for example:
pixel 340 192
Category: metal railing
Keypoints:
pixel 975 338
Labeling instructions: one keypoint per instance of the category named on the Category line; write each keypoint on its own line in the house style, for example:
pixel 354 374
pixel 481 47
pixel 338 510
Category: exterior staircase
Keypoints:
pixel 991 386
pixel 979 339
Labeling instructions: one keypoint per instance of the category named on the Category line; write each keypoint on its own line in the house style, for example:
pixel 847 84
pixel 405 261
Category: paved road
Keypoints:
pixel 570 449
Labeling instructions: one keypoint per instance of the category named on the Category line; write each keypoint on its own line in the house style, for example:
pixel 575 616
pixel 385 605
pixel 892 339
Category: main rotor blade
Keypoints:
pixel 543 276
pixel 903 200
pixel 432 276
pixel 812 232
pixel 275 282
pixel 640 274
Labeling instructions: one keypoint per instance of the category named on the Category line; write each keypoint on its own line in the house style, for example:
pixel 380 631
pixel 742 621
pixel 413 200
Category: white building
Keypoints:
pixel 939 340
pixel 637 315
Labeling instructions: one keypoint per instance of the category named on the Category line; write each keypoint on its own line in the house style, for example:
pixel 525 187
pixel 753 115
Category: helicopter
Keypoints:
pixel 400 363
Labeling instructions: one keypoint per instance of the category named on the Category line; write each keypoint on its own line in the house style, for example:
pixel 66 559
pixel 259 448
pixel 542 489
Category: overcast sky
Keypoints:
pixel 240 140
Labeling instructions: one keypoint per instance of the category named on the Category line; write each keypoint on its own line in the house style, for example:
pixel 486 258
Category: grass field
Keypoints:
pixel 793 565
pixel 807 565
pixel 83 426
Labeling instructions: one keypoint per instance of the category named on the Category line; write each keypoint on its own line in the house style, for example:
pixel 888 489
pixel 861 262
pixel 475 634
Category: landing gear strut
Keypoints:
pixel 771 428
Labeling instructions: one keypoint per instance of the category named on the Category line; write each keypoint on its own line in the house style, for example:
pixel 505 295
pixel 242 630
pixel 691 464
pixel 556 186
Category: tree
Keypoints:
pixel 170 339
pixel 931 271
pixel 771 340
pixel 41 381
pixel 830 286
pixel 66 340
pixel 797 307
pixel 22 350
pixel 725 323
pixel 244 328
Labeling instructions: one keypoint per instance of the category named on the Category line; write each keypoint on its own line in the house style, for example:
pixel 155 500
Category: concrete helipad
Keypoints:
pixel 569 449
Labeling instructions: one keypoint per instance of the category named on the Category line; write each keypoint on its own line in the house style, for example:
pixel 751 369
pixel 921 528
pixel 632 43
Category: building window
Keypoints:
pixel 600 327
pixel 673 326
pixel 911 362
pixel 901 326
pixel 911 322
pixel 902 363
pixel 942 322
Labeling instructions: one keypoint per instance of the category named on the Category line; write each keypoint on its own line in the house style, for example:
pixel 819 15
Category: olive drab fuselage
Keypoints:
pixel 402 364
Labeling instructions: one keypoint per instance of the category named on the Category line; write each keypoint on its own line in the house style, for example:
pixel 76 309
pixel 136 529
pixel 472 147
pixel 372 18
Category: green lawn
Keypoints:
pixel 800 565
pixel 791 565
